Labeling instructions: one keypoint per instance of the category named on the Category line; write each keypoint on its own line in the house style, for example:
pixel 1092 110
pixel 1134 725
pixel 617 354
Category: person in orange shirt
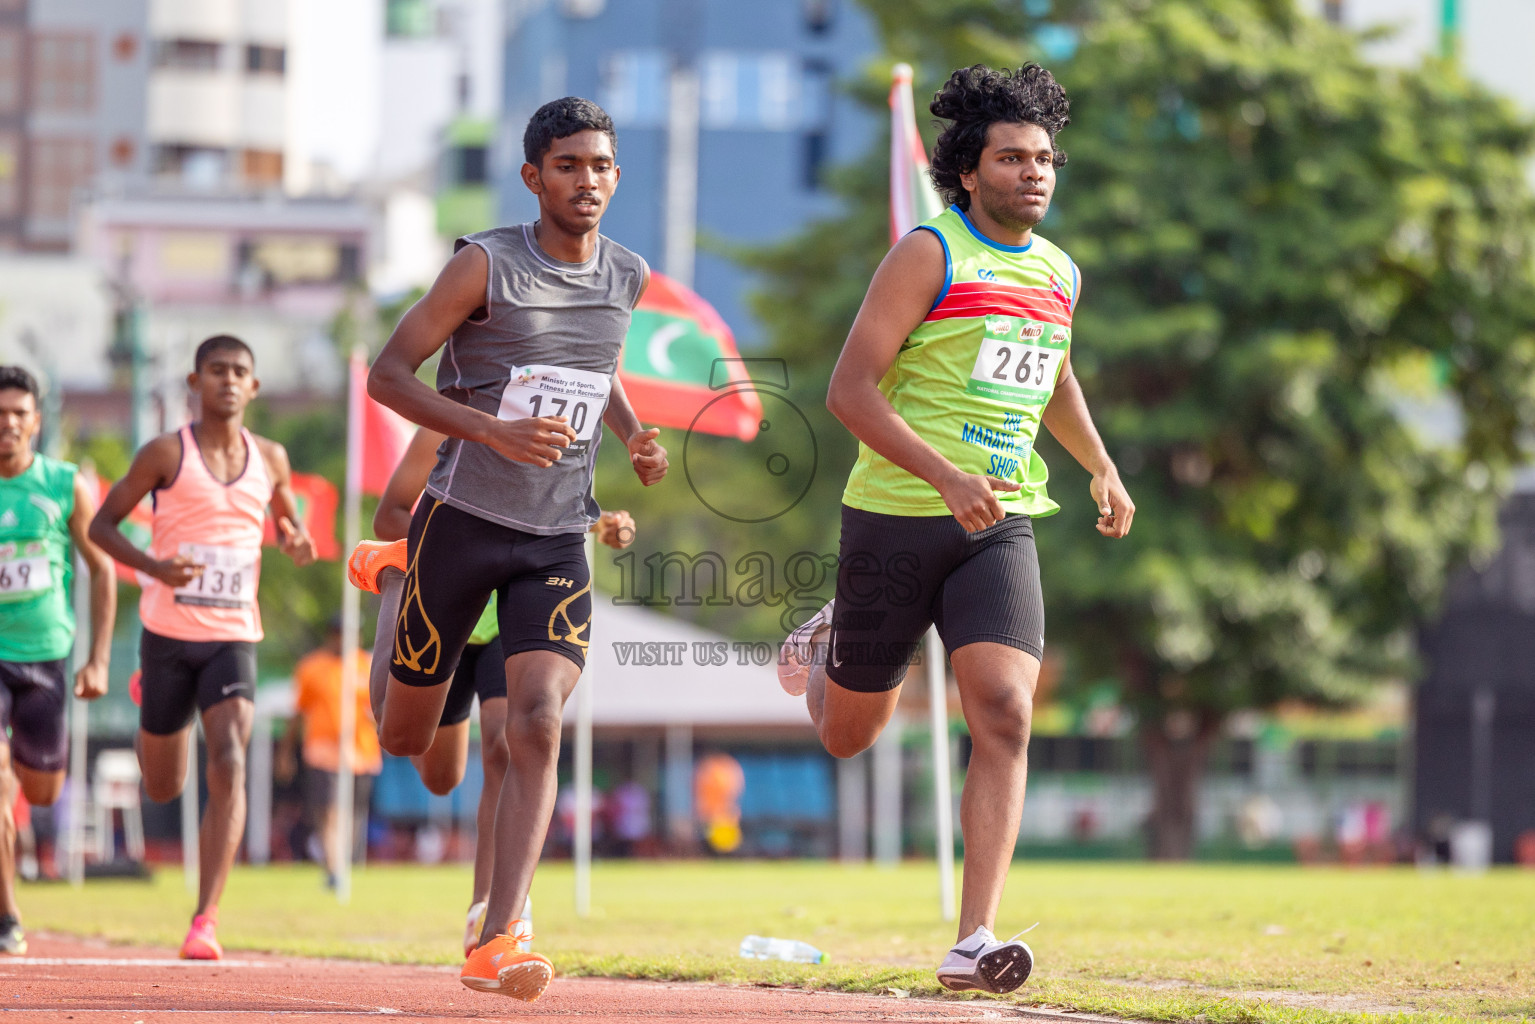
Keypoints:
pixel 317 714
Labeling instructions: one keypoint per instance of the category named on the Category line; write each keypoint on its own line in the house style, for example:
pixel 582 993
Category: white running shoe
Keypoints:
pixel 475 923
pixel 985 963
pixel 797 655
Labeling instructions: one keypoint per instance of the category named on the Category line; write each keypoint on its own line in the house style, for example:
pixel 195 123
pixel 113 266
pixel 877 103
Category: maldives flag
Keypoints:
pixel 912 199
pixel 681 368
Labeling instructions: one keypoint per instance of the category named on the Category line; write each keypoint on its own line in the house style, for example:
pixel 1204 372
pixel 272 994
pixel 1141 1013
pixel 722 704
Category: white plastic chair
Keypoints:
pixel 116 788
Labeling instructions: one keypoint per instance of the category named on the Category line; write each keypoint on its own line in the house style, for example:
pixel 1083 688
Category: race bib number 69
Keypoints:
pixel 581 396
pixel 25 572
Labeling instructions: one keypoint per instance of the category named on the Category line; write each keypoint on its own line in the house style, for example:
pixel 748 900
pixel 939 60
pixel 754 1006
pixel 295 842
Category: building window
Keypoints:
pixel 633 87
pixel 409 19
pixel 270 60
pixel 188 54
pixel 750 91
pixel 126 46
pixel 819 14
pixel 11 43
pixel 59 168
pixel 815 107
pixel 261 167
pixel 194 166
pixel 122 151
pixel 10 174
pixel 473 165
pixel 64 72
pixel 1332 10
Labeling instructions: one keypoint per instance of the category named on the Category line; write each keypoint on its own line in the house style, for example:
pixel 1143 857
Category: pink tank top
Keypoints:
pixel 218 525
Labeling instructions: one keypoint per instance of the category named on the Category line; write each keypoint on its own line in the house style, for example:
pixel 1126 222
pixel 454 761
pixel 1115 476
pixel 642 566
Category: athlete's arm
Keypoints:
pixel 293 537
pixel 392 520
pixel 154 467
pixel 615 529
pixel 645 454
pixel 1067 419
pixel 899 298
pixel 458 291
pixel 91 680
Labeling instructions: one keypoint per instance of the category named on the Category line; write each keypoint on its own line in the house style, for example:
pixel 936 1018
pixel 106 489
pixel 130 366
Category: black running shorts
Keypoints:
pixel 456 561
pixel 481 673
pixel 897 575
pixel 181 677
pixel 33 698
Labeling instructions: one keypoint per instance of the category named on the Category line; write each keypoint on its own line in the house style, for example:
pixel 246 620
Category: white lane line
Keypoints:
pixel 91 961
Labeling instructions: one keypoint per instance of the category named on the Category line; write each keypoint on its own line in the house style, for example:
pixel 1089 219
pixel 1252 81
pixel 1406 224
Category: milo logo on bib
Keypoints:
pixel 1019 360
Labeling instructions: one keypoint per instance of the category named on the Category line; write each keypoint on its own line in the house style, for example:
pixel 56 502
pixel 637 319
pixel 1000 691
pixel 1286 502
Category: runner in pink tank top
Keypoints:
pixel 212 483
pixel 218 526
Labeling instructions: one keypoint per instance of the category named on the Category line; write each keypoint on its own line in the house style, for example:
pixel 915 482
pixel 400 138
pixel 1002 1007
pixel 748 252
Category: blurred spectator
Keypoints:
pixel 629 816
pixel 718 782
pixel 317 707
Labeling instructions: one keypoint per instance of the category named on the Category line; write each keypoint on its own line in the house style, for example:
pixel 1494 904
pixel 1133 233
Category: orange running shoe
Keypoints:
pixel 201 944
pixel 370 559
pixel 497 966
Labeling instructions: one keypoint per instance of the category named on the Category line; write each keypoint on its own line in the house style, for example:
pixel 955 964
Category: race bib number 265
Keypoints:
pixel 581 396
pixel 1019 360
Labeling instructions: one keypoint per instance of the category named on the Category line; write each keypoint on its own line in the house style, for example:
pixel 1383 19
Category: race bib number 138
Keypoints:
pixel 228 578
pixel 581 396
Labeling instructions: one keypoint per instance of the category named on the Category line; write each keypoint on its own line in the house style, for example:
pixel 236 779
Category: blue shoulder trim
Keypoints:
pixel 1076 283
pixel 948 264
pixel 986 241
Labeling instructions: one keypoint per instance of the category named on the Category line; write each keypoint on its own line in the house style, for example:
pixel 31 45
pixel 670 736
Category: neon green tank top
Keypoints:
pixel 37 617
pixel 973 379
pixel 489 627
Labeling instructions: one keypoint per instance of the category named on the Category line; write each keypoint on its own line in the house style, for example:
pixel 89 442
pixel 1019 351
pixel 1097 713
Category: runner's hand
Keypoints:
pixel 295 543
pixel 647 456
pixel 176 572
pixel 536 440
pixel 616 529
pixel 972 499
pixel 91 680
pixel 1115 509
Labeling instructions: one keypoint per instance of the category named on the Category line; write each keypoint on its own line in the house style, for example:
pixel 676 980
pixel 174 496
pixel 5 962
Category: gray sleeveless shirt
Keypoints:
pixel 546 343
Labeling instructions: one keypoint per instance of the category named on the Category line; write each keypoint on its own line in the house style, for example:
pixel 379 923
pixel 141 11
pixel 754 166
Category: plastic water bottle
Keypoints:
pixel 756 947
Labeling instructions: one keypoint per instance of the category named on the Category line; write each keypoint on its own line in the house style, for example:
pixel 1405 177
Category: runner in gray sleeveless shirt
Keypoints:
pixel 531 321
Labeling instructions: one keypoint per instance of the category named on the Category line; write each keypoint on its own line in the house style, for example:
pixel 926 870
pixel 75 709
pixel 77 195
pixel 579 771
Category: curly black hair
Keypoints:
pixel 974 99
pixel 562 118
pixel 18 378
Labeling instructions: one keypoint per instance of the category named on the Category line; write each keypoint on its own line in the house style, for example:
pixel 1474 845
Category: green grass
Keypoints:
pixel 1197 942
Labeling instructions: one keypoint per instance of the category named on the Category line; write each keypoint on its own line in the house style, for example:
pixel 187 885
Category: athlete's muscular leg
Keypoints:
pixel 41 789
pixel 537 684
pixel 493 758
pixel 847 721
pixel 9 787
pixel 442 766
pixel 391 586
pixel 996 690
pixel 227 726
pixel 163 763
pixel 410 716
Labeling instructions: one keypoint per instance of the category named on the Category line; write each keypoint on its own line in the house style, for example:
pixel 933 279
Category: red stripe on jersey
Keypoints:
pixel 982 298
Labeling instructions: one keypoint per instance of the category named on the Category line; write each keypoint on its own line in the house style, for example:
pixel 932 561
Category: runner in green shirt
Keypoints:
pixel 45 511
pixel 960 352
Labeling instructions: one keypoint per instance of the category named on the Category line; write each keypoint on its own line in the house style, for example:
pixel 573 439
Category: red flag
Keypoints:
pixel 317 500
pixel 912 199
pixel 385 435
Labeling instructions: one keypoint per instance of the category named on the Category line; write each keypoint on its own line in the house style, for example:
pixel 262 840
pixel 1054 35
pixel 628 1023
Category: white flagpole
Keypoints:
pixel 943 791
pixel 189 795
pixel 79 726
pixel 582 852
pixel 351 624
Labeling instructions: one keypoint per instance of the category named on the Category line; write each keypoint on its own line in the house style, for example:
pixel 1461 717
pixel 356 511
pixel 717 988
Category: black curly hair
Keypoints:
pixel 974 99
pixel 17 377
pixel 560 119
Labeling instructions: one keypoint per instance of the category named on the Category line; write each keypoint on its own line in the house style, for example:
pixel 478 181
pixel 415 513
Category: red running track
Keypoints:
pixel 72 980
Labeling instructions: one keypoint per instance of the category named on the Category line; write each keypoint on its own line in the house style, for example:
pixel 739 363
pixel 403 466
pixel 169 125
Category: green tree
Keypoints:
pixel 1288 254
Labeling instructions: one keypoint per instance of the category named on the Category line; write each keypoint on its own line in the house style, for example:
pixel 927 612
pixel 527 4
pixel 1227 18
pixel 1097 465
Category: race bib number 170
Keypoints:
pixel 581 396
pixel 1019 360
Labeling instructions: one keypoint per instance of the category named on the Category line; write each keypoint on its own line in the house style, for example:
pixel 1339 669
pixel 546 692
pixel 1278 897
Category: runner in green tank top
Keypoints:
pixel 45 512
pixel 960 352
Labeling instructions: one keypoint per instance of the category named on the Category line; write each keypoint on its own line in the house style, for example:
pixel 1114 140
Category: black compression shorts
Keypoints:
pixel 456 561
pixel 33 699
pixel 184 676
pixel 481 673
pixel 897 575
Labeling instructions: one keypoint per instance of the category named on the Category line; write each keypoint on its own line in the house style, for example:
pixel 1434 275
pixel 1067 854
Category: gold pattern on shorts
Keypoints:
pixel 573 632
pixel 406 653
